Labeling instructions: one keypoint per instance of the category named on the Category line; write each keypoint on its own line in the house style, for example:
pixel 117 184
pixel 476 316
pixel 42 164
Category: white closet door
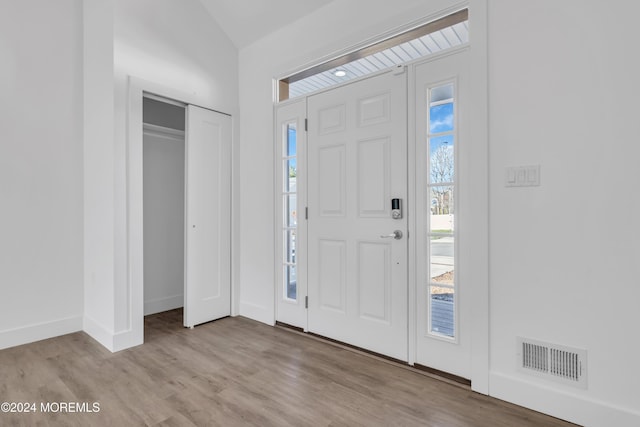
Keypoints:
pixel 208 213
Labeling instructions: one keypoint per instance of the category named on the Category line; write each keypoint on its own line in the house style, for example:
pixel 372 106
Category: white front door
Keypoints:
pixel 208 216
pixel 357 163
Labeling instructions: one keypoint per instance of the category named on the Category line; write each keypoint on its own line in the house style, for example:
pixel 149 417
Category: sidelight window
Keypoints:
pixel 441 210
pixel 290 214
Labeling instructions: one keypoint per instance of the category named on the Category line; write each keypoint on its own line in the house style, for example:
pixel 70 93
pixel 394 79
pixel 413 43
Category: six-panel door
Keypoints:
pixel 357 163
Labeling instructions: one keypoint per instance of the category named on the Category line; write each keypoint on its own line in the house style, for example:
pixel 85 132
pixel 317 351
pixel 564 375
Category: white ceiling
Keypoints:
pixel 246 21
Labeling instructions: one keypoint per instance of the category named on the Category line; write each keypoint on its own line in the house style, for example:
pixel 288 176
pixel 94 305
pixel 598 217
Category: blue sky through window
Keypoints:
pixel 291 140
pixel 292 147
pixel 441 120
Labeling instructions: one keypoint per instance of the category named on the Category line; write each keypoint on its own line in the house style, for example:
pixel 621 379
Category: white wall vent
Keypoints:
pixel 557 362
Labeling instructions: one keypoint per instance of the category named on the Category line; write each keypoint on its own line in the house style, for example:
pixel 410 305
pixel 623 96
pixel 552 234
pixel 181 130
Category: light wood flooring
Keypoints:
pixel 236 372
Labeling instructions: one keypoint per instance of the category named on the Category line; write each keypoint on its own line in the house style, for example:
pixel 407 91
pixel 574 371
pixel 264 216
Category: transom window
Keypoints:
pixel 442 34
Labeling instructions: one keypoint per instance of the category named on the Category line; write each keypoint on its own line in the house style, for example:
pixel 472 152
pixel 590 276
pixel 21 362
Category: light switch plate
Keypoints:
pixel 533 175
pixel 510 177
pixel 522 176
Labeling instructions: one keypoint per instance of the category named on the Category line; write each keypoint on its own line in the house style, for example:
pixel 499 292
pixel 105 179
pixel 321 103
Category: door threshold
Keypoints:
pixel 417 368
pixel 451 377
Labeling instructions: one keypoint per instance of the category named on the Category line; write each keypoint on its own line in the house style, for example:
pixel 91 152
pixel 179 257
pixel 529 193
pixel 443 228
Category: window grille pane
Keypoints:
pixel 291 283
pixel 290 246
pixel 441 159
pixel 441 118
pixel 290 211
pixel 290 174
pixel 442 200
pixel 290 142
pixel 442 311
pixel 441 254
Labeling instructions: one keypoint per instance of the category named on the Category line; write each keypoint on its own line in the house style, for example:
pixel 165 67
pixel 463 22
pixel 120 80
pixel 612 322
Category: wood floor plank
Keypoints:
pixel 236 372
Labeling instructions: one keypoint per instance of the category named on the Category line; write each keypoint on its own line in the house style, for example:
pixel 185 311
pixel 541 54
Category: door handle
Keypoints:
pixel 396 235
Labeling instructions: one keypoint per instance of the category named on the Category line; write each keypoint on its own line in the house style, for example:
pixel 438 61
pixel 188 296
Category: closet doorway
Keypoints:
pixel 163 205
pixel 186 211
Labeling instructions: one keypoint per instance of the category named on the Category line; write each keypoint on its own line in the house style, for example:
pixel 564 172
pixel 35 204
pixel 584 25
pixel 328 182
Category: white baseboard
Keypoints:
pixel 560 403
pixel 113 341
pixel 99 333
pixel 39 331
pixel 128 339
pixel 159 305
pixel 257 312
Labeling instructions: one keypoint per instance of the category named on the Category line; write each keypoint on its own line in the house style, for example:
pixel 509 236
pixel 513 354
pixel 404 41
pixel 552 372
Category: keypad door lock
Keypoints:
pixel 396 208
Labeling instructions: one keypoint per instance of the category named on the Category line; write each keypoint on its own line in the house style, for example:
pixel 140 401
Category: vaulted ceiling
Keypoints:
pixel 246 21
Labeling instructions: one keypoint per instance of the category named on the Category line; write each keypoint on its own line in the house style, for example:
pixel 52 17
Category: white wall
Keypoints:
pixel 173 44
pixel 322 33
pixel 98 170
pixel 564 94
pixel 41 194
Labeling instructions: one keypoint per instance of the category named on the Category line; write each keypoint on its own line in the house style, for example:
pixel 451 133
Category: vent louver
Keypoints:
pixel 560 363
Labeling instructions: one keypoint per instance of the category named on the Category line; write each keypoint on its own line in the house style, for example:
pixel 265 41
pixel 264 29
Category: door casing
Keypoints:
pixel 137 88
pixel 475 242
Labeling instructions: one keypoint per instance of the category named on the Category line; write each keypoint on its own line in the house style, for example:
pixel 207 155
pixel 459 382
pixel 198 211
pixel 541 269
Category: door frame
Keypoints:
pixel 137 88
pixel 478 241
